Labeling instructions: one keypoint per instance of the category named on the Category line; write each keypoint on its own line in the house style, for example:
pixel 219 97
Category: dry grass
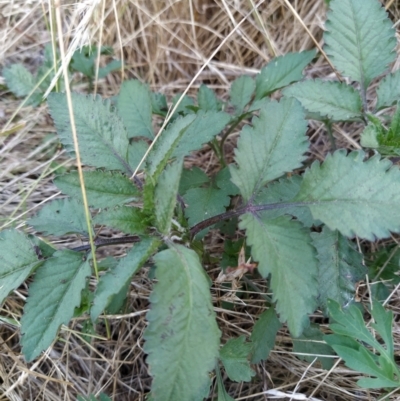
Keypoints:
pixel 164 44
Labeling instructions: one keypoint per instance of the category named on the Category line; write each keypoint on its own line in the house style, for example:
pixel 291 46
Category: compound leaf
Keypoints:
pixel 60 217
pixel 53 296
pixel 103 141
pixel 264 334
pixel 135 109
pixel 283 249
pixel 103 188
pixel 274 145
pixel 125 218
pixel 165 195
pixel 182 338
pixel 388 90
pixel 234 356
pixel 241 91
pixel 360 39
pixel 116 278
pixel 335 100
pixel 282 71
pixel 339 268
pixel 17 261
pixel 354 196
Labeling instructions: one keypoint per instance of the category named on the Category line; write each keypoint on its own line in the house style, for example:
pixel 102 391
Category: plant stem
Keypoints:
pixel 110 241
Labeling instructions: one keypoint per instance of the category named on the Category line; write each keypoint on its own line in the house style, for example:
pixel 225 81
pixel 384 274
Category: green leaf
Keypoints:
pixel 241 92
pixel 18 260
pixel 192 178
pixel 53 296
pixel 311 342
pixel 184 136
pixel 234 356
pixel 165 196
pixel 103 188
pixel 182 338
pixel 360 39
pixel 222 394
pixel 264 334
pixel 354 196
pixel 340 267
pixel 185 106
pixel 110 67
pixel 273 146
pixel 159 103
pixel 283 191
pixel 125 218
pixel 282 71
pixel 102 137
pixel 60 217
pixel 135 109
pixel 19 80
pixel 136 151
pixel 116 278
pixel 388 90
pixel 207 99
pixel 283 249
pixel 335 100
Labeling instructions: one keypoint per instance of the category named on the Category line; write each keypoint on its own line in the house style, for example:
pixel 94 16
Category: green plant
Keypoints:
pixel 297 221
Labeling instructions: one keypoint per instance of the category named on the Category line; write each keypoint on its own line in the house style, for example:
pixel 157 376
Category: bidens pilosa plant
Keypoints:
pixel 299 221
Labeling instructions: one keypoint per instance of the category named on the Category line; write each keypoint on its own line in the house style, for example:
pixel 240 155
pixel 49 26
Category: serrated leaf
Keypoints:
pixel 110 67
pixel 388 90
pixel 273 146
pixel 52 299
pixel 283 191
pixel 264 334
pixel 184 136
pixel 283 249
pixel 311 342
pixel 165 195
pixel 282 71
pixel 103 141
pixel 369 136
pixel 222 394
pixel 159 103
pixel 136 151
pixel 335 100
pixel 207 99
pixel 182 338
pixel 103 188
pixel 234 356
pixel 185 105
pixel 19 80
pixel 118 277
pixel 125 218
pixel 340 267
pixel 18 260
pixel 135 109
pixel 241 92
pixel 60 217
pixel 359 39
pixel 354 196
pixel 192 178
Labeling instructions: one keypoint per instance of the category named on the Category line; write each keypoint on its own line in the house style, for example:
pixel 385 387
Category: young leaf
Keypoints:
pixel 241 91
pixel 282 71
pixel 135 109
pixel 17 261
pixel 264 334
pixel 103 141
pixel 53 296
pixel 388 90
pixel 360 39
pixel 207 99
pixel 283 249
pixel 19 80
pixel 234 356
pixel 222 394
pixel 116 278
pixel 165 195
pixel 339 268
pixel 103 188
pixel 125 218
pixel 185 135
pixel 182 338
pixel 354 196
pixel 60 217
pixel 335 100
pixel 273 146
pixel 311 342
